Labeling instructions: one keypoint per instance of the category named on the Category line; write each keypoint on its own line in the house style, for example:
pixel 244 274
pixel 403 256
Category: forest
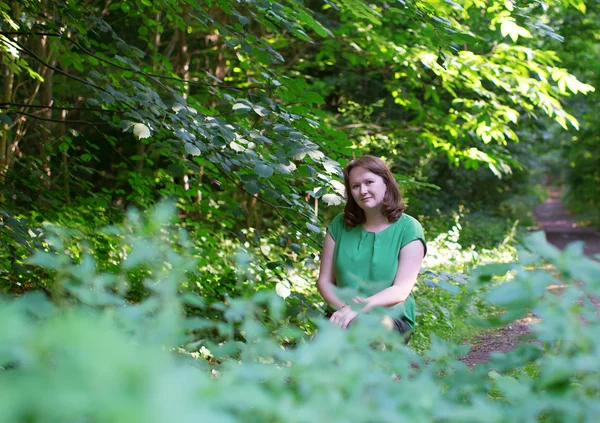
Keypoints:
pixel 168 170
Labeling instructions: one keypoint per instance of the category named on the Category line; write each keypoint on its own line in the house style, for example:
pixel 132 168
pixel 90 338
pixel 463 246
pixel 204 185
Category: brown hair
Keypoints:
pixel 392 207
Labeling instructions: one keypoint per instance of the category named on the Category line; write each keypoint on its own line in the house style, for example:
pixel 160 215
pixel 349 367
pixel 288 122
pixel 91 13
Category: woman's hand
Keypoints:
pixel 343 317
pixel 365 302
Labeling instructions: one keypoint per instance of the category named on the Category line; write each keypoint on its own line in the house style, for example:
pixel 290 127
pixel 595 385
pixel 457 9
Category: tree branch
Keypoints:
pixel 35 106
pixel 46 34
pixel 83 122
pixel 262 200
pixel 55 69
pixel 151 75
pixel 24 49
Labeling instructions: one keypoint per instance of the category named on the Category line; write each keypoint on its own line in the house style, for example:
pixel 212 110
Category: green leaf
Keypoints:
pixel 313 228
pixel 452 289
pixel 263 170
pixel 314 24
pixel 313 98
pixel 241 108
pixel 45 260
pixel 176 170
pixel 253 187
pixel 464 38
pixel 261 111
pixel 106 97
pixel 509 27
pixel 5 119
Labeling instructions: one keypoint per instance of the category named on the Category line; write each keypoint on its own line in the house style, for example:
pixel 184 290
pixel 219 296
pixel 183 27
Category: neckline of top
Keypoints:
pixel 378 232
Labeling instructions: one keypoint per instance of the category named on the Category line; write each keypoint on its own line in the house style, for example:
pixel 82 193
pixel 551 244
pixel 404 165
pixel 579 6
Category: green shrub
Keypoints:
pixel 92 356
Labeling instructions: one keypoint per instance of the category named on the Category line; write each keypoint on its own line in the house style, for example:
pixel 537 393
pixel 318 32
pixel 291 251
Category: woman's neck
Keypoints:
pixel 374 218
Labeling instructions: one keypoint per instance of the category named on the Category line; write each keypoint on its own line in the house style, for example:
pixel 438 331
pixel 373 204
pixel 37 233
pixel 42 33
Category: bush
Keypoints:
pixel 92 356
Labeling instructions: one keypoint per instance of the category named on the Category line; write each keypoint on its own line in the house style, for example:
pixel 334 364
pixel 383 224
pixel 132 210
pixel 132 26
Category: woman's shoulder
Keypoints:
pixel 407 220
pixel 411 231
pixel 339 219
pixel 408 224
pixel 336 226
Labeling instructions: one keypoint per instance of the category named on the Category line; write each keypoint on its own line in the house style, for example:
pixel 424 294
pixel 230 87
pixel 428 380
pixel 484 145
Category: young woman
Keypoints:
pixel 374 248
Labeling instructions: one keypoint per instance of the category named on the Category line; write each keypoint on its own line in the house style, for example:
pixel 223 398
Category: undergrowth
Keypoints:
pixel 92 354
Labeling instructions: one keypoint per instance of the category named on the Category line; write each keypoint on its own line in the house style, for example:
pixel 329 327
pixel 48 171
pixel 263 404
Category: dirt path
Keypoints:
pixel 560 225
pixel 561 229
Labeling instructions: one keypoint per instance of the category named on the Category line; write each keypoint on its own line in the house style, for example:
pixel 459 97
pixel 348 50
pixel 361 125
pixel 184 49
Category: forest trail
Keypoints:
pixel 561 228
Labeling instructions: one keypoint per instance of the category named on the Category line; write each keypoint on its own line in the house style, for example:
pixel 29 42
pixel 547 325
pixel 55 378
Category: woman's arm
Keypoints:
pixel 409 264
pixel 326 280
pixel 344 314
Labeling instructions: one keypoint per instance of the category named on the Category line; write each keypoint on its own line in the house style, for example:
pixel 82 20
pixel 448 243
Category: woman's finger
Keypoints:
pixel 347 322
pixel 336 319
pixel 348 319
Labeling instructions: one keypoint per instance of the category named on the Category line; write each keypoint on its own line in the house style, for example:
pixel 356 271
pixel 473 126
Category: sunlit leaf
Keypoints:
pixel 313 228
pixel 282 290
pixel 332 199
pixel 141 131
pixel 192 149
pixel 241 108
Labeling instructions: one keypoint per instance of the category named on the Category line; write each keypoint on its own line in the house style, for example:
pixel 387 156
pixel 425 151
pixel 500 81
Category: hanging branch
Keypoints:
pixel 150 75
pixel 24 49
pixel 262 200
pixel 36 106
pixel 64 122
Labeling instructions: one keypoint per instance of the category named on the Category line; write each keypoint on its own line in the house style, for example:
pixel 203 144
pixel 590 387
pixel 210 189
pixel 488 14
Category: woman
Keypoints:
pixel 373 248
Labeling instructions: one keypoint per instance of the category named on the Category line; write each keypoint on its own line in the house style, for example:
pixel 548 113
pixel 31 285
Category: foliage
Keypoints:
pixel 578 165
pixel 95 356
pixel 452 87
pixel 243 113
pixel 232 268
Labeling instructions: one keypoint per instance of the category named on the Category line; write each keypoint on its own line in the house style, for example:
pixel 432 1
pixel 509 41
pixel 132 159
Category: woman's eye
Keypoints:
pixel 369 182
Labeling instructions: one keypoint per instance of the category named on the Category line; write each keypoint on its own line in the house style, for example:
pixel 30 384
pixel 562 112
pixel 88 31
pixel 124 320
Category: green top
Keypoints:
pixel 368 261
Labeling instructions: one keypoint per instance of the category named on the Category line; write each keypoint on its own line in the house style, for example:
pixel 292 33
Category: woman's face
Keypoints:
pixel 368 189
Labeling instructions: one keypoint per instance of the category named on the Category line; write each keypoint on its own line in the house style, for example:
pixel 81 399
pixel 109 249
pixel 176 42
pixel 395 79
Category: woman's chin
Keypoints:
pixel 369 205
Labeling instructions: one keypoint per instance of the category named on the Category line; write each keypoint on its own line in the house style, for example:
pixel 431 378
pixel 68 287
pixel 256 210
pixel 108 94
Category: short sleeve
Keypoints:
pixel 412 232
pixel 336 227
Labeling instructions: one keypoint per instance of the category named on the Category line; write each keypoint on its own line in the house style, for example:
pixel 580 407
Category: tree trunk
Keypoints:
pixel 44 51
pixel 141 147
pixel 183 56
pixel 183 69
pixel 62 131
pixel 9 78
pixel 7 94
